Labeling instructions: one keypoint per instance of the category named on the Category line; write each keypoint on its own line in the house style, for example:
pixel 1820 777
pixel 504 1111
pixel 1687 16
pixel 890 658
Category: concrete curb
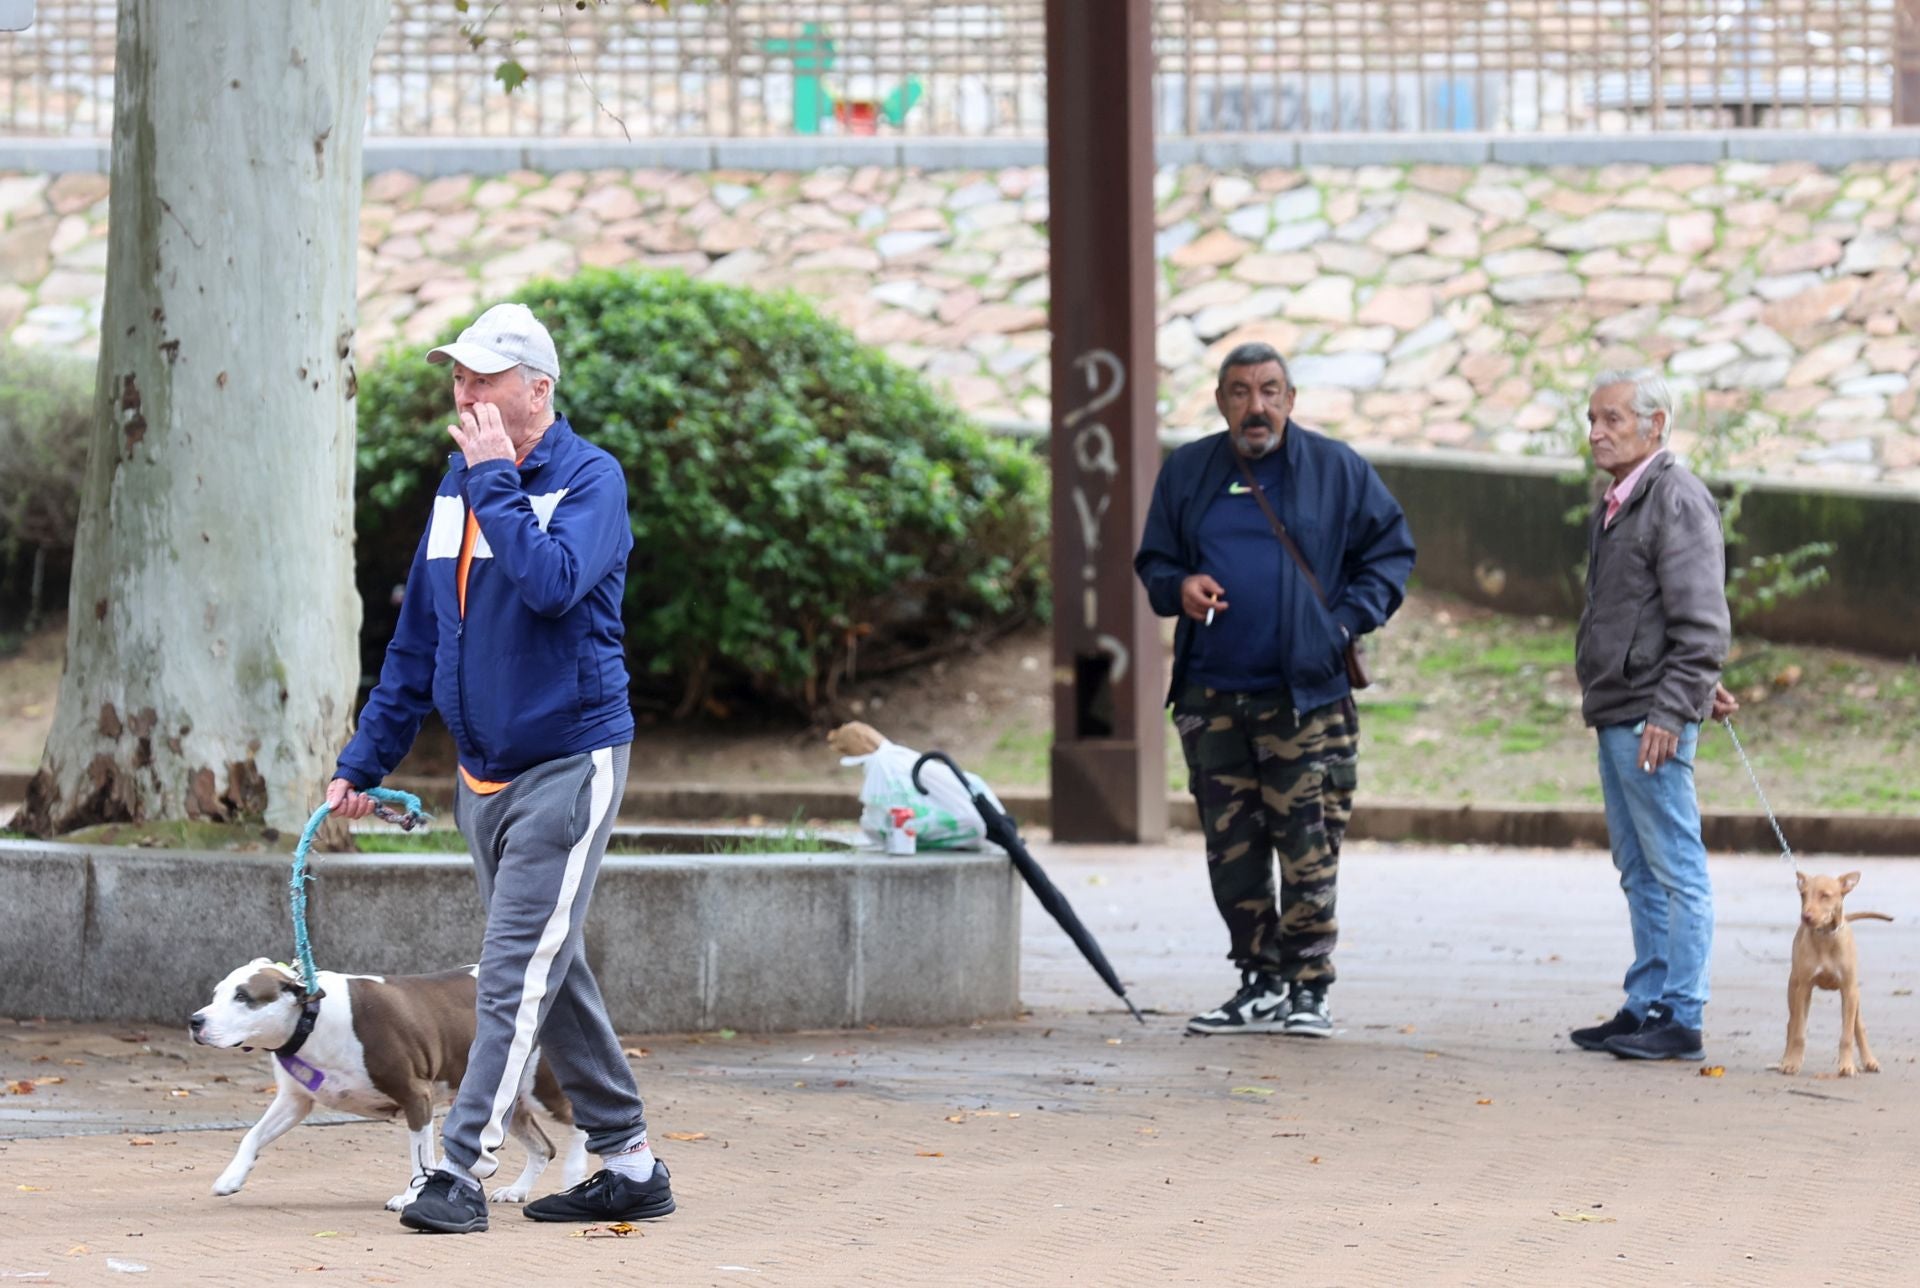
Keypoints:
pixel 432 158
pixel 1375 819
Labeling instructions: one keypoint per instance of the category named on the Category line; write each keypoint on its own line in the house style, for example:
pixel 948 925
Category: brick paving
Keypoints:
pixel 1450 1134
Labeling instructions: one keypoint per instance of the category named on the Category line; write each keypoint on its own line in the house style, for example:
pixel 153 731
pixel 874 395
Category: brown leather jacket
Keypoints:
pixel 1655 628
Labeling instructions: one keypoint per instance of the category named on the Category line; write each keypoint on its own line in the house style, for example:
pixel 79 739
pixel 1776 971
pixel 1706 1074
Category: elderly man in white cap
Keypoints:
pixel 511 628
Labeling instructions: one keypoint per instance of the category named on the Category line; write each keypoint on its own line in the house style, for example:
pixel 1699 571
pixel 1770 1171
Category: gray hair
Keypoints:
pixel 528 373
pixel 1650 394
pixel 1254 353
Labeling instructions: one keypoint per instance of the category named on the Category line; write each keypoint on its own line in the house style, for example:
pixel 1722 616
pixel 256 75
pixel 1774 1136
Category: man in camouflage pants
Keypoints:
pixel 1260 692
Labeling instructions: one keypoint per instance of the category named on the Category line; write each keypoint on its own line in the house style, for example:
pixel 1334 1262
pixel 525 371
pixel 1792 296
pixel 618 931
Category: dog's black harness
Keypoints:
pixel 297 1069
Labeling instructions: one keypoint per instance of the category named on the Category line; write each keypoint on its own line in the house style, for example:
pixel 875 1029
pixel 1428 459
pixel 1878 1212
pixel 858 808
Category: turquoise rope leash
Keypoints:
pixel 387 798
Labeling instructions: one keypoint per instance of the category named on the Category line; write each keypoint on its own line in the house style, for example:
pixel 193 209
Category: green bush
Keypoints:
pixel 46 410
pixel 802 506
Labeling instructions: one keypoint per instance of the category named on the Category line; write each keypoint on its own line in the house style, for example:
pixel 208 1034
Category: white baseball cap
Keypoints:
pixel 506 335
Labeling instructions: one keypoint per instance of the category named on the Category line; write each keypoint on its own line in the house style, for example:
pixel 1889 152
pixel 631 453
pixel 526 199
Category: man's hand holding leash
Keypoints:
pixel 347 801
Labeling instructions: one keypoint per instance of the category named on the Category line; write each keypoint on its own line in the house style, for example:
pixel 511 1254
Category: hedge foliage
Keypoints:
pixel 46 411
pixel 802 506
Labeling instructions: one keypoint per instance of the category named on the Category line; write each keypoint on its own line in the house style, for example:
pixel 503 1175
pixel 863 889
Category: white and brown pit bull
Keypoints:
pixel 376 1046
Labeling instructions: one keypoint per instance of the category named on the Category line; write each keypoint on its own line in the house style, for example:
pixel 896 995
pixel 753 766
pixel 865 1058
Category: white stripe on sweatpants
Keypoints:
pixel 533 988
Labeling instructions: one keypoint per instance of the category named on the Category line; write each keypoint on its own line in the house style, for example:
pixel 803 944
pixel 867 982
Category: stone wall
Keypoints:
pixel 1459 306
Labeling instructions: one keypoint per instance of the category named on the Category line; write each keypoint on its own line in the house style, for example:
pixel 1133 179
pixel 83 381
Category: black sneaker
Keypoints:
pixel 446 1205
pixel 1595 1037
pixel 1259 1007
pixel 608 1196
pixel 1308 1015
pixel 1660 1037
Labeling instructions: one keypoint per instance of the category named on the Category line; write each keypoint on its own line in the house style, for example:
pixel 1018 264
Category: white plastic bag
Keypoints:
pixel 944 817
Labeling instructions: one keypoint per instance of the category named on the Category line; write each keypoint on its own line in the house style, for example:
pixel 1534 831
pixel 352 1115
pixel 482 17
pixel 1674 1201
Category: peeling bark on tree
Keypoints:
pixel 211 651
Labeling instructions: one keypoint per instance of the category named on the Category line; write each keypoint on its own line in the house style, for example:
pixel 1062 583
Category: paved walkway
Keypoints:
pixel 1450 1134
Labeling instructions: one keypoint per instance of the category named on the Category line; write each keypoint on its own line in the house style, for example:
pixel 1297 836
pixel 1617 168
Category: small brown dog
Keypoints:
pixel 1824 956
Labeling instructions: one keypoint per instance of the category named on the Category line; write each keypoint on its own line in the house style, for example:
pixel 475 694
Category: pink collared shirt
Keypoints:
pixel 1616 496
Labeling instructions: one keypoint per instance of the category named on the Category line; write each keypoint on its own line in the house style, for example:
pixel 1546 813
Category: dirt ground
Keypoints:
pixel 1470 707
pixel 1448 1134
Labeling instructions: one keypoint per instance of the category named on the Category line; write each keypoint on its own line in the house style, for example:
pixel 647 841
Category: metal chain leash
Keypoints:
pixel 1786 851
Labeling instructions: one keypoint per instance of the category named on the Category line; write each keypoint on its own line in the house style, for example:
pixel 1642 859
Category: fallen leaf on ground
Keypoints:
pixel 928 1153
pixel 1483 1102
pixel 618 1230
pixel 1314 1159
pixel 1253 1091
pixel 20 1087
pixel 843 1082
pixel 78 1064
pixel 140 1140
pixel 956 1118
pixel 1408 1028
pixel 636 1053
pixel 726 1035
pixel 78 1250
pixel 684 1135
pixel 138 1035
pixel 1714 1071
pixel 326 1234
pixel 1585 1218
pixel 31 1189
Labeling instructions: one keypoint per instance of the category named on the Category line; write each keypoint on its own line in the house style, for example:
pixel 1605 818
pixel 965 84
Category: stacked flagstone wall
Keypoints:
pixel 1423 305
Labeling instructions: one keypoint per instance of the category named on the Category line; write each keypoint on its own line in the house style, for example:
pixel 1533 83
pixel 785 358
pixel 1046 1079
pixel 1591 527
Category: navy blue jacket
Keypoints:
pixel 1336 509
pixel 537 669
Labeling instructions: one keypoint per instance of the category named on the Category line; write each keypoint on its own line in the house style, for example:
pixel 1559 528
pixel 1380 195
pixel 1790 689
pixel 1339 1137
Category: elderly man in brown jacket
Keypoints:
pixel 1652 638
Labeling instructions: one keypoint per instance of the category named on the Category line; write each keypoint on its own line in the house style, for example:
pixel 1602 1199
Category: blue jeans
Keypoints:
pixel 1654 823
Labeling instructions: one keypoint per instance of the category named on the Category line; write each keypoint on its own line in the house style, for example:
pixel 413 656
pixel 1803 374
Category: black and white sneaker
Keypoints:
pixel 608 1196
pixel 1259 1007
pixel 1307 1013
pixel 446 1205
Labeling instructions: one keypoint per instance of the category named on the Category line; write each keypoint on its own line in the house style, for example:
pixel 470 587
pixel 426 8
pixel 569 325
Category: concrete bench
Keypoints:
pixel 679 942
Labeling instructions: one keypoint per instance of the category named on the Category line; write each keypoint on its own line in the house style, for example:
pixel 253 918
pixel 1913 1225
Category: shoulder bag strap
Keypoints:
pixel 1279 530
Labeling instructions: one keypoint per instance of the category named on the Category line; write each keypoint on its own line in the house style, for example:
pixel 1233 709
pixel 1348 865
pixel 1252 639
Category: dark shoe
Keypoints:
pixel 1595 1038
pixel 1661 1037
pixel 608 1196
pixel 1307 1013
pixel 1259 1007
pixel 446 1206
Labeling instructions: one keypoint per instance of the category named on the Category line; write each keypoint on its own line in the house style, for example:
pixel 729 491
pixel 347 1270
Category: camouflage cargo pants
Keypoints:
pixel 1267 780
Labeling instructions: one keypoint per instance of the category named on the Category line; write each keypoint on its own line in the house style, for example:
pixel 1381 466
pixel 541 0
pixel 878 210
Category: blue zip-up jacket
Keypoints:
pixel 536 671
pixel 1336 509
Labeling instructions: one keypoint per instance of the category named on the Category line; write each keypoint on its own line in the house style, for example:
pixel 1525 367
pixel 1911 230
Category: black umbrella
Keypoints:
pixel 1004 832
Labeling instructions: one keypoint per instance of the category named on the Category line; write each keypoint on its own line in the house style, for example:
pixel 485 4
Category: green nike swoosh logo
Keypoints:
pixel 1239 489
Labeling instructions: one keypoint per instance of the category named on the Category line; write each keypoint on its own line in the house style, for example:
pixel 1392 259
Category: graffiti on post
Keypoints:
pixel 1096 472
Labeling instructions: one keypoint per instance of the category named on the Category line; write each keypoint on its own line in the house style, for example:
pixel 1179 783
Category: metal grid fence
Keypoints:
pixel 944 67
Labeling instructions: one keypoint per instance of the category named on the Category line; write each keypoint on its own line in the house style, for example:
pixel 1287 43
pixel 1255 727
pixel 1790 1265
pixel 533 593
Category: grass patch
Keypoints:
pixel 184 834
pixel 1020 755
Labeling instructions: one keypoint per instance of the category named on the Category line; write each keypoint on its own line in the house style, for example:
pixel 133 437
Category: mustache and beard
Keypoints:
pixel 1267 443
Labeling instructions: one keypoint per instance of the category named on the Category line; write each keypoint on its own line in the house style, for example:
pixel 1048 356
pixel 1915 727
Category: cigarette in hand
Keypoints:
pixel 1209 615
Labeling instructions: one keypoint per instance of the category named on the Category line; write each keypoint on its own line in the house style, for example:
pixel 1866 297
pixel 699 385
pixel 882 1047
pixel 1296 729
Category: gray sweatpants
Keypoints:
pixel 537 845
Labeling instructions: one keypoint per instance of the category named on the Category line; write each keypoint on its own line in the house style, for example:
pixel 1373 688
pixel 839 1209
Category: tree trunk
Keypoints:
pixel 211 639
